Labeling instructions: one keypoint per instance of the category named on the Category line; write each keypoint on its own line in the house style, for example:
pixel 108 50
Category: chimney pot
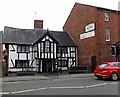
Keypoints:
pixel 38 24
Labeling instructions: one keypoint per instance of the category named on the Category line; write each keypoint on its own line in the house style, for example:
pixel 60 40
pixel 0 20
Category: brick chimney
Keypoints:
pixel 38 24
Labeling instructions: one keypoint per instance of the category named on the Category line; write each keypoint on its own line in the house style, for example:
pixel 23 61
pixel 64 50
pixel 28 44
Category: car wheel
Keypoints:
pixel 114 76
pixel 99 77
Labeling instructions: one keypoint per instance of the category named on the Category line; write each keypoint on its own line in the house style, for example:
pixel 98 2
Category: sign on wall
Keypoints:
pixel 89 31
pixel 87 35
pixel 90 27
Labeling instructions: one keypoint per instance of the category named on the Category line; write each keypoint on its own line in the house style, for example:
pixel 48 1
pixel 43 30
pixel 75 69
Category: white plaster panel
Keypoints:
pixel 12 55
pixel 22 56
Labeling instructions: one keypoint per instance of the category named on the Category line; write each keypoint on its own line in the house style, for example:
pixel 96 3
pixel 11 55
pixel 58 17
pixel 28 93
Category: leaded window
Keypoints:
pixel 62 50
pixel 47 46
pixel 23 49
pixel 21 63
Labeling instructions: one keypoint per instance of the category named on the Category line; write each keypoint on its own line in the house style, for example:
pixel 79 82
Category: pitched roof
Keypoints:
pixel 21 36
pixel 63 38
pixel 108 9
pixel 30 36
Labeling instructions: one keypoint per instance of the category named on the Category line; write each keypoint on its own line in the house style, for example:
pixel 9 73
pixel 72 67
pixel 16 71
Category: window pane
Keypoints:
pixel 51 47
pixel 18 48
pixel 106 16
pixel 64 63
pixel 21 63
pixel 72 54
pixel 42 47
pixel 23 48
pixel 59 50
pixel 27 49
pixel 65 49
pixel 25 64
pixel 47 46
pixel 107 32
pixel 62 50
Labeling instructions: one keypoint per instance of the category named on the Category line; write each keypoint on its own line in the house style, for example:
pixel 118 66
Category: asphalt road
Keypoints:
pixel 64 86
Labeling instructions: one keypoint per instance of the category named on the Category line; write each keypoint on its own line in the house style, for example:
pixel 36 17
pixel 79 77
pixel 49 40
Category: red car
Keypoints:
pixel 108 70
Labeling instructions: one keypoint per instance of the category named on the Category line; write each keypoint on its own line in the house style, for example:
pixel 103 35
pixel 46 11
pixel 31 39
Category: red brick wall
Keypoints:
pixel 104 52
pixel 79 17
pixel 119 31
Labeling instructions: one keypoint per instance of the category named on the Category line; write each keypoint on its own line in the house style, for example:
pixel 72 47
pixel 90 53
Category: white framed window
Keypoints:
pixel 107 16
pixel 72 48
pixel 47 46
pixel 107 34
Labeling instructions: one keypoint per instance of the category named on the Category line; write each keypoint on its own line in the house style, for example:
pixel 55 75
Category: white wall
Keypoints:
pixel 13 55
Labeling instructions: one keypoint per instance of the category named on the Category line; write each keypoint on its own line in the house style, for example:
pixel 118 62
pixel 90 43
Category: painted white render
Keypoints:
pixel 13 55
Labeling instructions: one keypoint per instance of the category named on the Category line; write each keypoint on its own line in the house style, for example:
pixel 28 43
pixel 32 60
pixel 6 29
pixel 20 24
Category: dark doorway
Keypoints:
pixel 93 63
pixel 47 65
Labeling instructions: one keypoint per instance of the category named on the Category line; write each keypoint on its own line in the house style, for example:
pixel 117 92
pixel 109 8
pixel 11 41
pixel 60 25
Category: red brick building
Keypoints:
pixel 94 30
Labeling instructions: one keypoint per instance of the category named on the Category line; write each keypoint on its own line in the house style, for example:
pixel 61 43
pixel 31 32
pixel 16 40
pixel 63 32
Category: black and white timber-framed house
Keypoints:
pixel 39 50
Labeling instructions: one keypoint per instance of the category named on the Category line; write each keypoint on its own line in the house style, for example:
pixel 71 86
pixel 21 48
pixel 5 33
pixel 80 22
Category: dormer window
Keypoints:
pixel 107 17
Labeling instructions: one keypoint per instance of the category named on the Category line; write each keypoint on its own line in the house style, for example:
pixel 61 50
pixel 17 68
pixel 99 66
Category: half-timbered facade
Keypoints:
pixel 39 50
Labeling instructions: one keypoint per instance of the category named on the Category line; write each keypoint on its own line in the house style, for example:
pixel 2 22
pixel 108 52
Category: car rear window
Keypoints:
pixel 102 65
pixel 117 64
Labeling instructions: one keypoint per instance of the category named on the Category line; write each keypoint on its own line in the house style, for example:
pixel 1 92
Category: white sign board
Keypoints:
pixel 90 27
pixel 87 35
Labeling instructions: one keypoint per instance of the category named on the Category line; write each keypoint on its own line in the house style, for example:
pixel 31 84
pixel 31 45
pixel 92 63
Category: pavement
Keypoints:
pixel 45 77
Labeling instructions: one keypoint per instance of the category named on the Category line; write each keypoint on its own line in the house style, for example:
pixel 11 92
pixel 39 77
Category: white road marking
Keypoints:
pixel 22 91
pixel 67 87
pixel 4 93
pixel 96 85
pixel 11 82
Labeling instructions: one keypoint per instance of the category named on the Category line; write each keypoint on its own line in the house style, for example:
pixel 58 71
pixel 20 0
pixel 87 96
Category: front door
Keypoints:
pixel 93 63
pixel 47 65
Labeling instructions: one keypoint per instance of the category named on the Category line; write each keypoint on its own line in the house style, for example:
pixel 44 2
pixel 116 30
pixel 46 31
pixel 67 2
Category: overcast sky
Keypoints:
pixel 22 13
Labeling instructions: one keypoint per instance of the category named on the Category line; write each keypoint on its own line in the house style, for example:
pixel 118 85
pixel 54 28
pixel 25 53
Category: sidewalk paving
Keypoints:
pixel 45 77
